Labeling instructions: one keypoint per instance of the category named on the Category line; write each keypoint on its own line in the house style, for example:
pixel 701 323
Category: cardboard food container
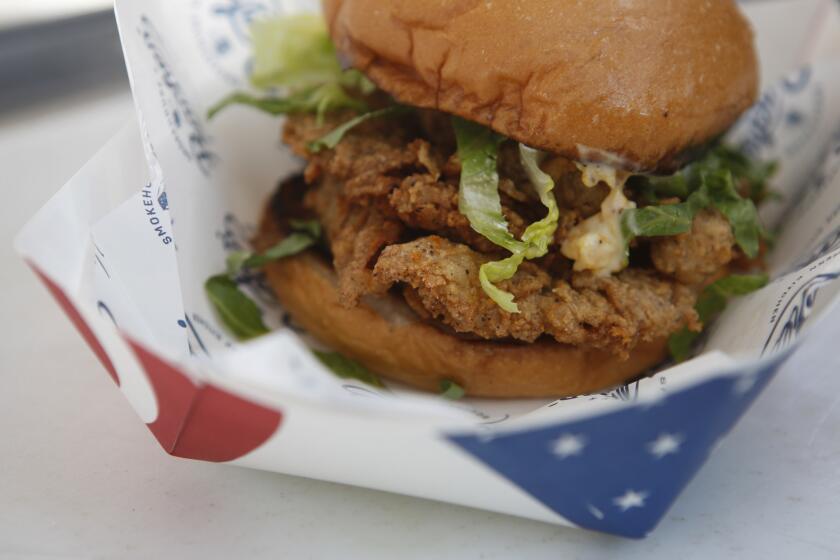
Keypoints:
pixel 126 245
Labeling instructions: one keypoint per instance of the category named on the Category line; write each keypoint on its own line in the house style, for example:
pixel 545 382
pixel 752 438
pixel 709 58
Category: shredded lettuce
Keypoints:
pixel 318 99
pixel 478 193
pixel 311 227
pixel 293 51
pixel 332 138
pixel 295 54
pixel 539 234
pixel 355 80
pixel 711 302
pixel 305 233
pixel 451 390
pixel 479 201
pixel 499 271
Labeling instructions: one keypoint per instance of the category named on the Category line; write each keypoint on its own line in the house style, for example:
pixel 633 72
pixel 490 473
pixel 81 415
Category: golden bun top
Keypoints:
pixel 643 79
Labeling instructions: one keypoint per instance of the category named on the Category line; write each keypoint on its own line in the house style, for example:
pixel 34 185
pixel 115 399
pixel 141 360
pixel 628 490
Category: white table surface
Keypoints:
pixel 80 475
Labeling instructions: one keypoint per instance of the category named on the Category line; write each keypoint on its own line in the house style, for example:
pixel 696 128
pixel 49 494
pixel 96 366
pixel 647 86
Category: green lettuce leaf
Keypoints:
pixel 312 227
pixel 665 219
pixel 712 301
pixel 711 187
pixel 332 138
pixel 346 368
pixel 451 390
pixel 479 201
pixel 738 284
pixel 236 310
pixel 541 233
pixel 680 344
pixel 355 80
pixel 678 185
pixel 290 245
pixel 293 51
pixel 497 271
pixel 478 193
pixel 741 212
pixel 319 100
pixel 710 181
pixel 305 233
pixel 756 174
pixel 536 236
pixel 270 105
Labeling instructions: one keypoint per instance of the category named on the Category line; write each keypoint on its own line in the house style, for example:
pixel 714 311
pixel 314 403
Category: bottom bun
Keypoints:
pixel 383 334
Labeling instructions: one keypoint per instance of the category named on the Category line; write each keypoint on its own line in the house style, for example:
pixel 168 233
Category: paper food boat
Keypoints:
pixel 126 245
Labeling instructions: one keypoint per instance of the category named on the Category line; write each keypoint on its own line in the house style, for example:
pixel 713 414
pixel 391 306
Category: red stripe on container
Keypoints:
pixel 194 421
pixel 174 391
pixel 80 324
pixel 203 422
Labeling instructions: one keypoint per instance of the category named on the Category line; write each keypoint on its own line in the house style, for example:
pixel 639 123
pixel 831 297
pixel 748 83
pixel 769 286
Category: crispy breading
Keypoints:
pixel 356 235
pixel 570 190
pixel 694 256
pixel 382 165
pixel 424 203
pixel 387 197
pixel 373 149
pixel 614 312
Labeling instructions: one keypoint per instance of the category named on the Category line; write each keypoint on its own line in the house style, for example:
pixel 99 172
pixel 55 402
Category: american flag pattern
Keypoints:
pixel 620 472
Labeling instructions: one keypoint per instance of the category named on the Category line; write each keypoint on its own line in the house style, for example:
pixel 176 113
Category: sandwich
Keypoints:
pixel 512 199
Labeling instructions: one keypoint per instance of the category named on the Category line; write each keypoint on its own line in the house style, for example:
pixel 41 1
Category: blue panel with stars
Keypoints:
pixel 620 472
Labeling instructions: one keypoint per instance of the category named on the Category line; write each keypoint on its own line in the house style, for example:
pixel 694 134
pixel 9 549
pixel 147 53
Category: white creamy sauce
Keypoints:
pixel 597 243
pixel 593 173
pixel 596 155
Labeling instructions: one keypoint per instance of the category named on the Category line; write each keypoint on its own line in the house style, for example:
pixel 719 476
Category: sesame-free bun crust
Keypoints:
pixel 643 79
pixel 386 336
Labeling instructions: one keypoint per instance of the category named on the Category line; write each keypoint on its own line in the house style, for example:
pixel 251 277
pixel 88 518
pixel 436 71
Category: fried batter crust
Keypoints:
pixel 614 312
pixel 696 255
pixel 387 197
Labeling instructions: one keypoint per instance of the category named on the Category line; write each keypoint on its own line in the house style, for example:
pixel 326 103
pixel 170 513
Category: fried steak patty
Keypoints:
pixel 387 198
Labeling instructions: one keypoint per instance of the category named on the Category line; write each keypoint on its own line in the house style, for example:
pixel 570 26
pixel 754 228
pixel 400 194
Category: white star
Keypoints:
pixel 486 437
pixel 665 444
pixel 568 445
pixel 631 499
pixel 744 384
